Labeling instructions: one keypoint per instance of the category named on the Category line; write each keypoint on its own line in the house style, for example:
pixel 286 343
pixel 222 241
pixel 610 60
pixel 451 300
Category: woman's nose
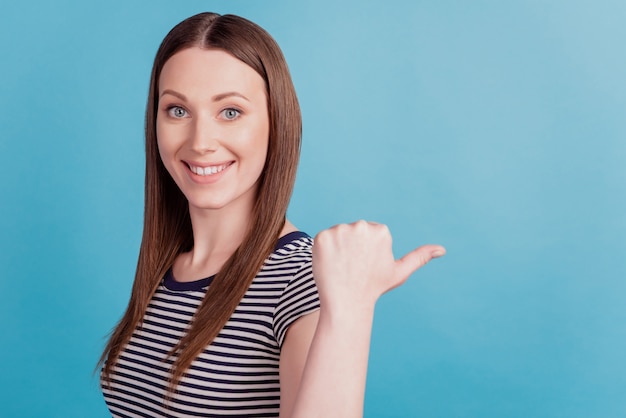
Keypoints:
pixel 205 135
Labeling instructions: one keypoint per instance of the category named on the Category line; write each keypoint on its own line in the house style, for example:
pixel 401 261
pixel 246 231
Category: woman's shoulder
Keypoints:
pixel 295 243
pixel 291 259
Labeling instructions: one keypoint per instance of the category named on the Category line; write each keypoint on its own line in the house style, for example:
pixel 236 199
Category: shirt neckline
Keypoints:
pixel 169 281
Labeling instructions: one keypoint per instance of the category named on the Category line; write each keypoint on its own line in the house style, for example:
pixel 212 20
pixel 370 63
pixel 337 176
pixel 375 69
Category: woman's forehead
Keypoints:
pixel 209 71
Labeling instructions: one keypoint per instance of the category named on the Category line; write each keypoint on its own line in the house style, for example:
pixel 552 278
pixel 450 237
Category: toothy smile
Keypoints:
pixel 207 171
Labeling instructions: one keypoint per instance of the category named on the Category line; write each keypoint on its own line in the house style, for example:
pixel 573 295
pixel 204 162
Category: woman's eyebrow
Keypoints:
pixel 223 96
pixel 174 93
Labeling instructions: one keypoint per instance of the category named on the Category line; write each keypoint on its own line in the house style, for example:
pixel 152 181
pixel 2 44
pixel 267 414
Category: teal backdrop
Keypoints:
pixel 496 128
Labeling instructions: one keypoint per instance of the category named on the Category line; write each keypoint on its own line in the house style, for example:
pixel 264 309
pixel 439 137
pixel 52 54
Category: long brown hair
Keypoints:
pixel 167 228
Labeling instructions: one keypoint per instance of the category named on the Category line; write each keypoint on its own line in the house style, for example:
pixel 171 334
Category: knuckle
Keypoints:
pixel 322 236
pixel 360 224
pixel 383 231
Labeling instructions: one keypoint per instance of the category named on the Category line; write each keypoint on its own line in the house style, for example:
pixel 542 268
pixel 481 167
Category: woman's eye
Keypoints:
pixel 177 112
pixel 230 114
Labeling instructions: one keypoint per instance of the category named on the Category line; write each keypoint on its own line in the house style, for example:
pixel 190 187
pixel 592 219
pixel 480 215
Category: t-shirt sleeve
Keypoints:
pixel 298 299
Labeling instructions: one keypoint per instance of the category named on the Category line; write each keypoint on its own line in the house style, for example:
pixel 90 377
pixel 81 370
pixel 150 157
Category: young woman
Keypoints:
pixel 224 317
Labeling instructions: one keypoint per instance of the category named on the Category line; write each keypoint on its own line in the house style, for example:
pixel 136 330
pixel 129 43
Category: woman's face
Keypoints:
pixel 212 127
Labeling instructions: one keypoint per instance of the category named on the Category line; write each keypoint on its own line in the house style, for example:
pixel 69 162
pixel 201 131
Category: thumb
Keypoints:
pixel 416 259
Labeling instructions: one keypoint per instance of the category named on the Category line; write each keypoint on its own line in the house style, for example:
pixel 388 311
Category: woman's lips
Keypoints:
pixel 207 170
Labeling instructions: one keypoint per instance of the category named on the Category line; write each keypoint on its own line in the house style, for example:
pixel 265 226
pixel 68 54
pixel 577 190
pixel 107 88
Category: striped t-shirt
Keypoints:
pixel 237 374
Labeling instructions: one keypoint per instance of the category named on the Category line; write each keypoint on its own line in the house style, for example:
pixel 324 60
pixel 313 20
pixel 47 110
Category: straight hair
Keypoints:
pixel 167 228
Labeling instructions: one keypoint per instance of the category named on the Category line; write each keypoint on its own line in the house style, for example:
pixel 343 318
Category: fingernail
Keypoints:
pixel 437 253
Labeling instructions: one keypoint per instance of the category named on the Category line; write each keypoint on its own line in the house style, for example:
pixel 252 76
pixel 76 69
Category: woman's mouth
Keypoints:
pixel 208 170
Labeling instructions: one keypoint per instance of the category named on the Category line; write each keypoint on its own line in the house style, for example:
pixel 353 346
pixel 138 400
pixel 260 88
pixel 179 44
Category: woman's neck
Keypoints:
pixel 217 234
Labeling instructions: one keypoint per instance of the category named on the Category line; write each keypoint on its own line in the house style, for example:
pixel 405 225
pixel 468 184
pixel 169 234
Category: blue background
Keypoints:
pixel 495 128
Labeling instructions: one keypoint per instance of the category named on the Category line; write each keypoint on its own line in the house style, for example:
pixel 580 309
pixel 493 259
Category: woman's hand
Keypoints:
pixel 353 264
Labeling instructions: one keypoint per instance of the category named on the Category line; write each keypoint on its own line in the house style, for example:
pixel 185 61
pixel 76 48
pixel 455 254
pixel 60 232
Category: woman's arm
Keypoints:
pixel 293 355
pixel 353 265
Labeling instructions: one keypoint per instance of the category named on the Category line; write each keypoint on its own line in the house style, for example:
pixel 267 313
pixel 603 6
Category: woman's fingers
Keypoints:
pixel 414 260
pixel 356 261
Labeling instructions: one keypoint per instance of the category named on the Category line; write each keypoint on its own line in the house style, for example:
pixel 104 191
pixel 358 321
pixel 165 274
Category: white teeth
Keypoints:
pixel 205 171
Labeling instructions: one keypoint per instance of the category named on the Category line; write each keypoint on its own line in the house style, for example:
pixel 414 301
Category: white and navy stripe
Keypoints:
pixel 236 375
